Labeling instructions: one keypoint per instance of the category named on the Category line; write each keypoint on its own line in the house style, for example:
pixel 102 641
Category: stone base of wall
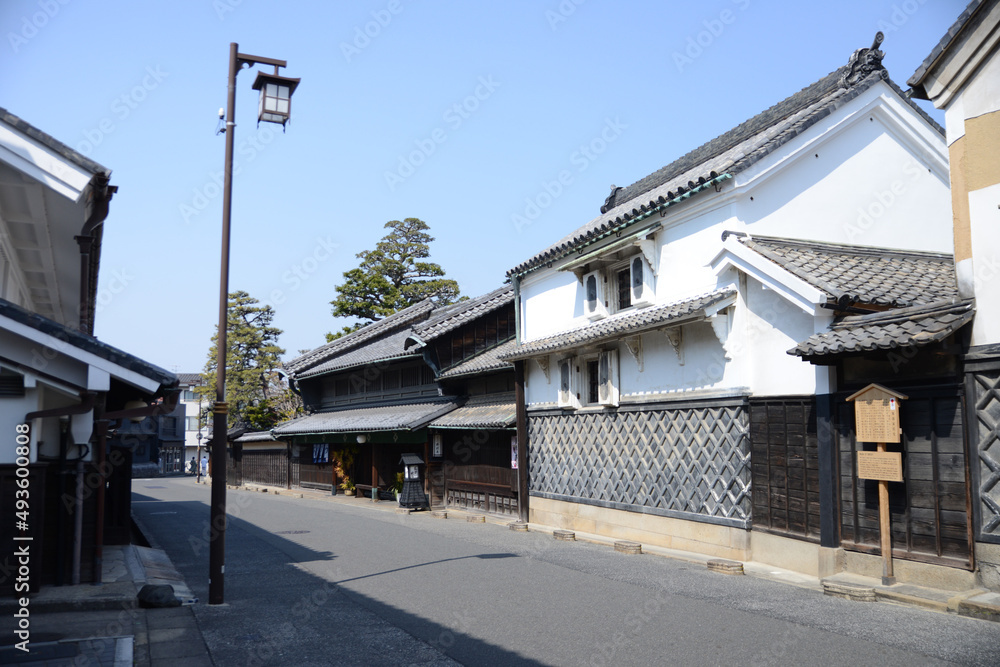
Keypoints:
pixel 795 555
pixel 988 562
pixel 647 529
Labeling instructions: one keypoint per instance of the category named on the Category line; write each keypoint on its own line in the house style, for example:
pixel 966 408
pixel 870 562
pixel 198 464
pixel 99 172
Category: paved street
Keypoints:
pixel 315 582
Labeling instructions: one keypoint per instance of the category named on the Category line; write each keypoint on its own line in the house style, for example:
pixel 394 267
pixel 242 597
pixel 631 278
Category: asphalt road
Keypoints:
pixel 314 582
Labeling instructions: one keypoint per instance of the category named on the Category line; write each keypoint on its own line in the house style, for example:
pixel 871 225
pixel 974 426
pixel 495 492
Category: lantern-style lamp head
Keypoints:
pixel 275 104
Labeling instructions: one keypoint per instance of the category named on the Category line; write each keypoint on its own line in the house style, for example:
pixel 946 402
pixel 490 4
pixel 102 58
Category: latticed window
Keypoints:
pixel 624 284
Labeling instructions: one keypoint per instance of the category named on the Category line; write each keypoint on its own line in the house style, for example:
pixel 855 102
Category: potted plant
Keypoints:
pixel 397 486
pixel 348 486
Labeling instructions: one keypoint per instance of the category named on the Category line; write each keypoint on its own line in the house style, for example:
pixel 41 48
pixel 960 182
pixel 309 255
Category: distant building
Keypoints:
pixel 193 417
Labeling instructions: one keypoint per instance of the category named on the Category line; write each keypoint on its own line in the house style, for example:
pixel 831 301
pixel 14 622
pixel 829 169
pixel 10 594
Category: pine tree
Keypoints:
pixel 392 277
pixel 257 396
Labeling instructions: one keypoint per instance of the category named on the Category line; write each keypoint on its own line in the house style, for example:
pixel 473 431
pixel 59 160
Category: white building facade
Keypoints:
pixel 651 338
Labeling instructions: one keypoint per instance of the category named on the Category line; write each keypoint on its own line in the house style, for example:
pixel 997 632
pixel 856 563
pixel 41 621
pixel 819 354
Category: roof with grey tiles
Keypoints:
pixel 904 327
pixel 970 16
pixel 404 417
pixel 727 155
pixel 70 337
pixel 191 379
pixel 625 323
pixel 486 411
pixel 256 436
pixel 449 318
pixel 52 143
pixel 403 318
pixel 390 346
pixel 863 274
pixel 484 362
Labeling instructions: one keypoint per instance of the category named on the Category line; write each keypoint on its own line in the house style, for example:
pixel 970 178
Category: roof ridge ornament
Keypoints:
pixel 609 203
pixel 864 62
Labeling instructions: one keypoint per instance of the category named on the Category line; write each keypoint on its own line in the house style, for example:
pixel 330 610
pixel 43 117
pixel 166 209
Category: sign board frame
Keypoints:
pixel 883 466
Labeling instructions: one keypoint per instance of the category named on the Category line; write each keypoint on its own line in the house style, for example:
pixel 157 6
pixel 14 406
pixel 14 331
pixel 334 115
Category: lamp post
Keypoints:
pixel 274 107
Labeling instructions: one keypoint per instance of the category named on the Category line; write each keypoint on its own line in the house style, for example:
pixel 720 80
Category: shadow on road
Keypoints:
pixel 278 613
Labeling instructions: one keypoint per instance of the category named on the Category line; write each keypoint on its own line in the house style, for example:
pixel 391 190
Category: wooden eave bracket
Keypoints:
pixel 721 326
pixel 675 337
pixel 543 364
pixel 634 346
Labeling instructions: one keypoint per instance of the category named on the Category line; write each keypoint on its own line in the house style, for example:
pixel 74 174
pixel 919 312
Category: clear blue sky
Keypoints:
pixel 461 114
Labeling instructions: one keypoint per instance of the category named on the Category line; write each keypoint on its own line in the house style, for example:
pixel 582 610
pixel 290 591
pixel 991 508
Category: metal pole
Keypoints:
pixel 217 540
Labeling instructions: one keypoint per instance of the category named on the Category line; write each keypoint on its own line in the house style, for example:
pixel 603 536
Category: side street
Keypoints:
pixel 743 410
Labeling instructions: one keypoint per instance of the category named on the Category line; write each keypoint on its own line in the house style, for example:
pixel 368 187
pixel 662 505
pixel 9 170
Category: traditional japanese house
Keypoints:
pixel 62 391
pixel 662 404
pixel 425 381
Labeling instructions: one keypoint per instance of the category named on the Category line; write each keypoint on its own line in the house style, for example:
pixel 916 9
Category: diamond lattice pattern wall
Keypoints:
pixel 691 462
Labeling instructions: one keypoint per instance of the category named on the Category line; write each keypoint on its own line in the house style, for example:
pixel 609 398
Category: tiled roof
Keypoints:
pixel 862 274
pixel 449 318
pixel 904 327
pixel 256 436
pixel 81 341
pixel 191 379
pixel 52 143
pixel 625 323
pixel 488 411
pixel 484 362
pixel 403 417
pixel 916 81
pixel 380 349
pixel 726 155
pixel 403 318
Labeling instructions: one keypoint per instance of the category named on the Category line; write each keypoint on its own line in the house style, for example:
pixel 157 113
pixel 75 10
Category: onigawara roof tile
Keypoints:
pixel 485 362
pixel 401 417
pixel 863 274
pixel 904 327
pixel 625 323
pixel 485 411
pixel 728 154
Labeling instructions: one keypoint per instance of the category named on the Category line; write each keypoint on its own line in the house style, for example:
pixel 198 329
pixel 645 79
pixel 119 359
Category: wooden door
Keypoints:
pixel 930 508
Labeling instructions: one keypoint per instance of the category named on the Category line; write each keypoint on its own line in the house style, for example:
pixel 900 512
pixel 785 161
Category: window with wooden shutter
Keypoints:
pixel 607 378
pixel 593 296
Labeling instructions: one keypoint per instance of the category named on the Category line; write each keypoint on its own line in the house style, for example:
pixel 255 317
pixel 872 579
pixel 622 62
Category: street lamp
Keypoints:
pixel 275 106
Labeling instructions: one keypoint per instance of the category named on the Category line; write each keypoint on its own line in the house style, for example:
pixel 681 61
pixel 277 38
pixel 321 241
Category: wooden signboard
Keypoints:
pixel 876 414
pixel 876 419
pixel 886 466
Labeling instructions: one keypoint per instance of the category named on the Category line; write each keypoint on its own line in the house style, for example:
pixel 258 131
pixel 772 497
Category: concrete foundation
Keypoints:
pixel 704 538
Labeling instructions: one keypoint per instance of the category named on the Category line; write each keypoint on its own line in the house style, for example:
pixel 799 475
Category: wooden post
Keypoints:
pixel 885 529
pixel 876 416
